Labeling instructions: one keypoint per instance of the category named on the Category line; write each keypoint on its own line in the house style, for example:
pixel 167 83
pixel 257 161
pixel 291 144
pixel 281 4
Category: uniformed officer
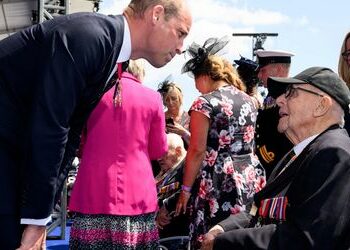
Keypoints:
pixel 271 145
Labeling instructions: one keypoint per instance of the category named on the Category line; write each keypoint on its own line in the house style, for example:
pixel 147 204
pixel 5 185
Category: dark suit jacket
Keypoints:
pixel 318 214
pixel 51 77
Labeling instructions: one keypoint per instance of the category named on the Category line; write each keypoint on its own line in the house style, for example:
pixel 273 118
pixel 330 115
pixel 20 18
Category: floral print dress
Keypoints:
pixel 231 173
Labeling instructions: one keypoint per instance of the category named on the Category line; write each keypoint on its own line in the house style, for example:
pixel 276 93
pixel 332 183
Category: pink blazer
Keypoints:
pixel 115 175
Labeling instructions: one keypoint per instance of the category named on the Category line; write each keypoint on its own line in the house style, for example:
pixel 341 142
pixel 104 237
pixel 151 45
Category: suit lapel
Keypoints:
pixel 276 184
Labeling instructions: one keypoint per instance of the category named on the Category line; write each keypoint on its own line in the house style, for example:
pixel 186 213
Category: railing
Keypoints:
pixel 174 243
pixel 59 217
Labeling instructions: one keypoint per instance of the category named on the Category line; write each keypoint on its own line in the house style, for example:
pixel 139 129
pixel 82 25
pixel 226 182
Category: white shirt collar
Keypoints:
pixel 301 145
pixel 125 50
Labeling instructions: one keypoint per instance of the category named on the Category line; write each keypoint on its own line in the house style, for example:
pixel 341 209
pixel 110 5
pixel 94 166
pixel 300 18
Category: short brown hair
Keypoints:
pixel 171 7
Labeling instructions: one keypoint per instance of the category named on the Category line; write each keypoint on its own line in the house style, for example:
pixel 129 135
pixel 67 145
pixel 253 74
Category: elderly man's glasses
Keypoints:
pixel 346 54
pixel 290 91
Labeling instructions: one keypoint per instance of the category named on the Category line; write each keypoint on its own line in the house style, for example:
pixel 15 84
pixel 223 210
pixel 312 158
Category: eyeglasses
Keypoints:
pixel 346 54
pixel 290 91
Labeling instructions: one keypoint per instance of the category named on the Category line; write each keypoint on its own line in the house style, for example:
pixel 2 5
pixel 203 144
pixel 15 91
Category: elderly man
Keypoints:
pixel 168 185
pixel 305 204
pixel 51 76
pixel 271 145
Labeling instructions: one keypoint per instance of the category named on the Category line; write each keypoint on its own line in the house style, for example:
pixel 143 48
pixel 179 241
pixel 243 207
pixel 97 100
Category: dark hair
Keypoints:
pixel 125 65
pixel 247 70
pixel 166 85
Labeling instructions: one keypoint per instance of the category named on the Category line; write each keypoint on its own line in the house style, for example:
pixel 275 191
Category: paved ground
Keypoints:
pixel 59 244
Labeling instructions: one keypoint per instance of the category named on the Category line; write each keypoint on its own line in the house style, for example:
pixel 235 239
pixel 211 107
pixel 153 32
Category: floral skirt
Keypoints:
pixel 114 232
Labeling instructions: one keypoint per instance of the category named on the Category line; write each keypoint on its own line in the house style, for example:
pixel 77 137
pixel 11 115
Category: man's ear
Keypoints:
pixel 323 106
pixel 178 152
pixel 158 11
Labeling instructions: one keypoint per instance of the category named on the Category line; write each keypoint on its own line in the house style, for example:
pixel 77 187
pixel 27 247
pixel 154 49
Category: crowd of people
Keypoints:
pixel 236 171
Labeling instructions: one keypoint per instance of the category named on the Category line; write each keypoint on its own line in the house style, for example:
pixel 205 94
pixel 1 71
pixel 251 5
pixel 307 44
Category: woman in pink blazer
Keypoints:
pixel 114 196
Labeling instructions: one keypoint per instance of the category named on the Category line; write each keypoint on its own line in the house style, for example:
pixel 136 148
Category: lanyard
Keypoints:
pixel 117 96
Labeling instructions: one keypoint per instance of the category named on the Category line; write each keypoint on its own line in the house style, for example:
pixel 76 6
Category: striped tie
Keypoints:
pixel 286 161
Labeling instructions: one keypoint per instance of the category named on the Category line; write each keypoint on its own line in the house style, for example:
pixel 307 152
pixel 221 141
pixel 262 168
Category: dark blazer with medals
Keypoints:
pixel 271 145
pixel 51 76
pixel 317 215
pixel 167 196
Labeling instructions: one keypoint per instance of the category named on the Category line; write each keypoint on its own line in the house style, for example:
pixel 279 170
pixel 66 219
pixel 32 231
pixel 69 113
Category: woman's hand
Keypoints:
pixel 182 202
pixel 177 128
pixel 180 130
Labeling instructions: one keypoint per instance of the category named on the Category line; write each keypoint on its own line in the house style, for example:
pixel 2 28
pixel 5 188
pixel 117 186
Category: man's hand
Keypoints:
pixel 33 238
pixel 208 241
pixel 163 217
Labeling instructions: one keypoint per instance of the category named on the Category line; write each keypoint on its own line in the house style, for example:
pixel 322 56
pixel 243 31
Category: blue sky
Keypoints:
pixel 312 29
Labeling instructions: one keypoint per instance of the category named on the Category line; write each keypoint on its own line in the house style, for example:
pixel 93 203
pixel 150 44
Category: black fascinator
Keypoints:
pixel 200 53
pixel 247 70
pixel 247 63
pixel 166 85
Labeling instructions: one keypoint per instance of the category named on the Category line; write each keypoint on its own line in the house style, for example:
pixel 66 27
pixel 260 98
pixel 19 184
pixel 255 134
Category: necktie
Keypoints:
pixel 285 162
pixel 282 165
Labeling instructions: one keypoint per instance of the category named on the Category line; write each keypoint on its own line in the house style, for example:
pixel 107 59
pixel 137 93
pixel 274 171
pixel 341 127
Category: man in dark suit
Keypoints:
pixel 51 76
pixel 271 145
pixel 305 204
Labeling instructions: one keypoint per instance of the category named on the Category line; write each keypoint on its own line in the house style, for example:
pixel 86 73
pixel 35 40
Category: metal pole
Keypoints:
pixel 67 5
pixel 41 11
pixel 258 39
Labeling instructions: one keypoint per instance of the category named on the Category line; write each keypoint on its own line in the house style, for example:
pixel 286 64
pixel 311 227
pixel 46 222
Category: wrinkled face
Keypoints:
pixel 167 37
pixel 296 109
pixel 173 100
pixel 267 71
pixel 168 160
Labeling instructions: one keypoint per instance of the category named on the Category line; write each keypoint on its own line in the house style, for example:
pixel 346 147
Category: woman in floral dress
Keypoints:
pixel 221 172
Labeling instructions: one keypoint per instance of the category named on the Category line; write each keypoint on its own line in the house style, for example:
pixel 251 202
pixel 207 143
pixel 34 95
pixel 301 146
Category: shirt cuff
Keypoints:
pixel 39 222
